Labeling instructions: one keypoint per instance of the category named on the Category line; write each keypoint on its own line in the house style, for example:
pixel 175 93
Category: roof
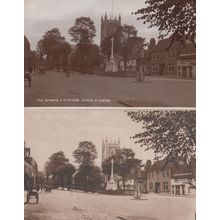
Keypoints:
pixel 183 172
pixel 182 176
pixel 184 46
pixel 161 164
pixel 165 44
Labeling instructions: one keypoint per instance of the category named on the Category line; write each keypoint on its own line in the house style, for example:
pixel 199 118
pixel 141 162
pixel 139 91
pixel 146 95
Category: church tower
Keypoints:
pixel 109 148
pixel 109 26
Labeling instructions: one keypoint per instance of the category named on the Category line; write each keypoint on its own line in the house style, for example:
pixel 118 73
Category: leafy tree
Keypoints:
pixel 83 33
pixel 49 40
pixel 65 50
pixel 88 178
pixel 85 154
pixel 40 49
pixel 131 44
pixel 64 174
pixel 168 133
pixel 172 17
pixel 124 163
pixel 56 160
pixel 93 59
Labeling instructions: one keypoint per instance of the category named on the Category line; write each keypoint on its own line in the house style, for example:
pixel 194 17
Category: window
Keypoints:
pixel 167 173
pixel 168 55
pixel 170 68
pixel 152 174
pixel 158 172
pixel 176 180
pixel 154 68
pixel 173 54
pixel 165 186
pixel 163 174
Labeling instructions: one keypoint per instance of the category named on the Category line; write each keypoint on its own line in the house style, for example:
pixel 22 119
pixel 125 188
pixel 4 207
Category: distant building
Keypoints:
pixel 30 169
pixel 109 148
pixel 177 59
pixel 26 53
pixel 109 26
pixel 171 177
pixel 183 182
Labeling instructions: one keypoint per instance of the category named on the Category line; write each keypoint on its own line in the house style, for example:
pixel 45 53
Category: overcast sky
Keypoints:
pixel 50 131
pixel 43 15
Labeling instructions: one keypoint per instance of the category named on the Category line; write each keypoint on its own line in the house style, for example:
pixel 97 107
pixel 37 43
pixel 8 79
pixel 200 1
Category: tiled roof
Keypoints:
pixel 161 164
pixel 165 44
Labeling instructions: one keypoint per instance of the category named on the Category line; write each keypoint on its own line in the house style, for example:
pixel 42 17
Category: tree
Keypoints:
pixel 172 17
pixel 83 33
pixel 49 40
pixel 56 160
pixel 85 154
pixel 89 178
pixel 60 52
pixel 65 50
pixel 93 59
pixel 124 162
pixel 131 44
pixel 168 133
pixel 64 174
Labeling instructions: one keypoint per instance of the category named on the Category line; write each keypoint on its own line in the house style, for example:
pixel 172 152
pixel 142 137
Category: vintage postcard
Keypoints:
pixel 110 53
pixel 110 164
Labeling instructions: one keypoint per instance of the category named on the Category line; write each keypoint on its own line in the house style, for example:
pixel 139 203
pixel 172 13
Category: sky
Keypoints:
pixel 50 131
pixel 43 15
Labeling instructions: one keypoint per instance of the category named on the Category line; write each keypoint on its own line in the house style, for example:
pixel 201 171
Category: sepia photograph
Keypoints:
pixel 110 53
pixel 109 164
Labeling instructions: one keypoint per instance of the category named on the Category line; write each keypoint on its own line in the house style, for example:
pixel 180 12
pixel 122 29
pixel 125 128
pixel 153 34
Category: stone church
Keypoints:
pixel 109 148
pixel 109 26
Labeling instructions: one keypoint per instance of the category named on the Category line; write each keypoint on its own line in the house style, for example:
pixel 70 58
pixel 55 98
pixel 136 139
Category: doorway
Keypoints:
pixel 157 187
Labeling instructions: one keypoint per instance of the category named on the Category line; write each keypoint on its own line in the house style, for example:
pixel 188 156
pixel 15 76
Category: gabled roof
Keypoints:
pixel 165 44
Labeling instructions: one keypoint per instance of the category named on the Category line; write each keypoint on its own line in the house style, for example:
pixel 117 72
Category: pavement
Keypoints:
pixel 56 89
pixel 75 205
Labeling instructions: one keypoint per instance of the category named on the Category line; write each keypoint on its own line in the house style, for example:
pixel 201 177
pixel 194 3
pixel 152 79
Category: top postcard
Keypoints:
pixel 109 53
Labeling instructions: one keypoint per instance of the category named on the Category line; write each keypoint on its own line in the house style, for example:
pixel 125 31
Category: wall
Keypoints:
pixel 182 182
pixel 161 177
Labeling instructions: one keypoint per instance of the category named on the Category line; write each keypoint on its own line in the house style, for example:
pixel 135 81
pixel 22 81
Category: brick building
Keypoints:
pixel 168 177
pixel 176 59
pixel 30 170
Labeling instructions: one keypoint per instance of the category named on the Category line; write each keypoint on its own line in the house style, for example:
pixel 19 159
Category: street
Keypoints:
pixel 56 89
pixel 75 205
